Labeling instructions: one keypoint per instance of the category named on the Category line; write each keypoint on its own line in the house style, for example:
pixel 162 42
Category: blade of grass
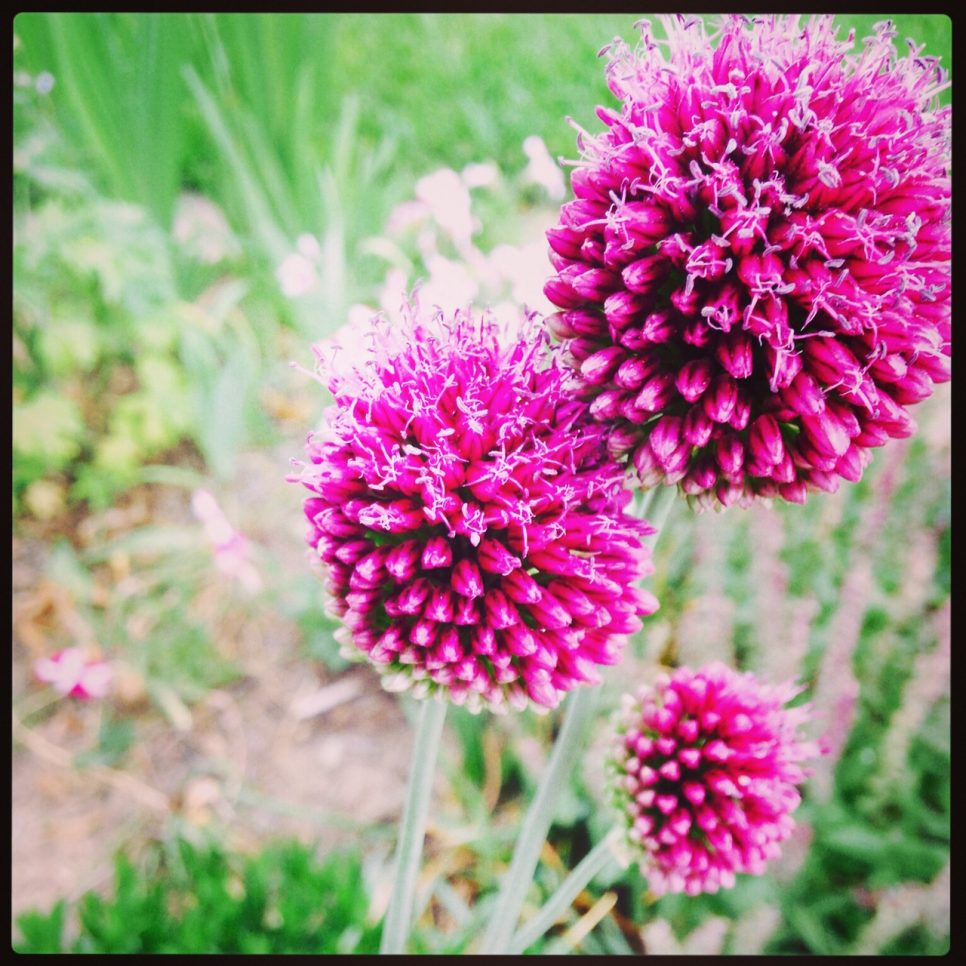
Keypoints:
pixel 596 860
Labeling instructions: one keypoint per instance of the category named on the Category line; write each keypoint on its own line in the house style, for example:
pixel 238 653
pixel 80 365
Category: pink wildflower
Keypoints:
pixel 72 673
pixel 705 768
pixel 231 549
pixel 471 526
pixel 754 274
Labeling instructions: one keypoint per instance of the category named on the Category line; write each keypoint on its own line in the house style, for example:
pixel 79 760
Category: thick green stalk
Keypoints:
pixel 412 827
pixel 655 506
pixel 596 860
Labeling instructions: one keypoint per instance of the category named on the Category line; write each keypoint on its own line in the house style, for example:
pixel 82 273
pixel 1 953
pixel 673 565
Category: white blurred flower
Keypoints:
pixel 202 229
pixel 525 268
pixel 448 200
pixel 480 175
pixel 450 285
pixel 296 275
pixel 393 293
pixel 542 170
pixel 406 215
pixel 308 245
pixel 230 545
pixel 44 82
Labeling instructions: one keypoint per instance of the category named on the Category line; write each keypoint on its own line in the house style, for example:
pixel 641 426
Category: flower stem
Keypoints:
pixel 596 860
pixel 580 708
pixel 655 506
pixel 412 827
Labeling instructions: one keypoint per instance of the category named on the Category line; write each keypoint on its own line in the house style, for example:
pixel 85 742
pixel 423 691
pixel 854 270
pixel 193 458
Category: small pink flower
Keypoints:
pixel 758 252
pixel 231 549
pixel 469 520
pixel 72 673
pixel 705 770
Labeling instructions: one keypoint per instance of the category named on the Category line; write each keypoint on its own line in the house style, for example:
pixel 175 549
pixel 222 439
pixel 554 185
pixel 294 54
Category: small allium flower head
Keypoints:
pixel 754 274
pixel 704 770
pixel 470 522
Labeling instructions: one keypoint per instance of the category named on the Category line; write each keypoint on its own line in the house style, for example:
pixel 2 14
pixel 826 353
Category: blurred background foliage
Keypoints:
pixel 166 168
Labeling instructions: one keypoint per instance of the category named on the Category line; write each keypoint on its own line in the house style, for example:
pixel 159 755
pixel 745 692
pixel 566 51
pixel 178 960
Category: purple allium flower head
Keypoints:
pixel 470 521
pixel 705 769
pixel 754 272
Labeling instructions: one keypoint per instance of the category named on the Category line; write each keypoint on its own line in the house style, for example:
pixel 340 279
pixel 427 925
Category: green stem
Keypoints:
pixel 655 506
pixel 596 860
pixel 412 827
pixel 506 914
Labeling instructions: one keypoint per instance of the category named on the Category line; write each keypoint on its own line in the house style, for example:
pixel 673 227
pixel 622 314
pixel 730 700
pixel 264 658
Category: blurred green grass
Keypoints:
pixel 448 89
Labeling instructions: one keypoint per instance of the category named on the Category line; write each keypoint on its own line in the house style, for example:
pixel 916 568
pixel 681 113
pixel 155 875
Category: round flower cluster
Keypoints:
pixel 704 771
pixel 470 522
pixel 754 273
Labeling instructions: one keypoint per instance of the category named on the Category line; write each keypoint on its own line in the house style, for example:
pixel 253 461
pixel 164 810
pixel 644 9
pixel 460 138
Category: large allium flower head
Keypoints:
pixel 754 272
pixel 469 519
pixel 704 773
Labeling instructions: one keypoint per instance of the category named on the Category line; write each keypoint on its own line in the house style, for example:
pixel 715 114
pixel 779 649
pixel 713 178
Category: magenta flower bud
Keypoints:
pixel 913 387
pixel 784 367
pixel 607 405
pixel 563 294
pixel 701 476
pixel 765 440
pixel 521 587
pixel 659 327
pixel 665 438
pixel 622 308
pixel 697 427
pixel 494 558
pixel 719 401
pixel 634 372
pixel 849 465
pixel 565 241
pixel 823 272
pixel 649 470
pixel 436 553
pixel 826 433
pixel 688 302
pixel 804 395
pixel 596 284
pixel 741 413
pixel 645 222
pixel 693 379
pixel 467 580
pixel 729 452
pixel 830 360
pixel 735 355
pixel 599 367
pixel 643 275
pixel 655 393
